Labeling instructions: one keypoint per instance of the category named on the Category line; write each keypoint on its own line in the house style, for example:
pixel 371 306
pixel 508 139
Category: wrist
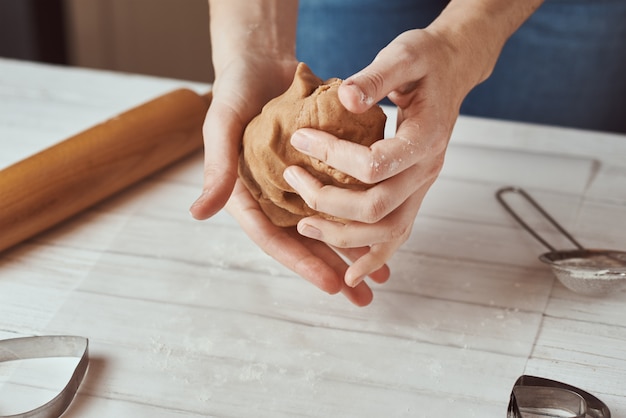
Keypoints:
pixel 242 28
pixel 476 32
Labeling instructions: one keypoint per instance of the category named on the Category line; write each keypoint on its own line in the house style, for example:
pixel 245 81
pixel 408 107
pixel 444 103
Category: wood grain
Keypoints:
pixel 61 181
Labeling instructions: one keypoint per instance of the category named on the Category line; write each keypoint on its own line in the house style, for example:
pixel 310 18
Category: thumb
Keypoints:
pixel 222 131
pixel 393 67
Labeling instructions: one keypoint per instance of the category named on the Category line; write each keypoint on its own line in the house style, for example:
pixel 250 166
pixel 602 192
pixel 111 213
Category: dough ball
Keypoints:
pixel 308 103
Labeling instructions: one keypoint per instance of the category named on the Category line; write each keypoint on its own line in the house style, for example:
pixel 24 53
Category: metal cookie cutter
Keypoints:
pixel 536 397
pixel 46 347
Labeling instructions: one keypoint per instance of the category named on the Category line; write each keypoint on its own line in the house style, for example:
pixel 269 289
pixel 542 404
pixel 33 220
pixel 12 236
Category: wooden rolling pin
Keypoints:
pixel 59 182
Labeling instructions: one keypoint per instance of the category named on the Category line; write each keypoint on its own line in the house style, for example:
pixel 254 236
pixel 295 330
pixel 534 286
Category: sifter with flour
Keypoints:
pixel 582 270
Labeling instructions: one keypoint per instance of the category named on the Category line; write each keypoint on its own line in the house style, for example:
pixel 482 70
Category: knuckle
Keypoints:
pixel 436 167
pixel 400 232
pixel 375 168
pixel 440 145
pixel 403 52
pixel 376 210
pixel 381 254
pixel 342 243
pixel 375 81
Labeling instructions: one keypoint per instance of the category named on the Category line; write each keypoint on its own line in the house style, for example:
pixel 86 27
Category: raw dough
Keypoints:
pixel 308 103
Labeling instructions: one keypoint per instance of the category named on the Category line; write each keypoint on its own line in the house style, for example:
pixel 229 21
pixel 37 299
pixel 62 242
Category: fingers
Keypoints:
pixel 313 260
pixel 381 160
pixel 367 206
pixel 372 261
pixel 282 244
pixel 379 275
pixel 371 245
pixel 222 132
pixel 360 295
pixel 351 234
pixel 394 67
pixel 384 158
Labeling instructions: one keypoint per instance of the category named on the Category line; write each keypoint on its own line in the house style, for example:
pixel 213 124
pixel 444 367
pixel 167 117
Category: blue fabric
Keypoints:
pixel 565 66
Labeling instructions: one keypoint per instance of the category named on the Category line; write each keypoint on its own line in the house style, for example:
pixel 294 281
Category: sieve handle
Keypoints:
pixel 520 191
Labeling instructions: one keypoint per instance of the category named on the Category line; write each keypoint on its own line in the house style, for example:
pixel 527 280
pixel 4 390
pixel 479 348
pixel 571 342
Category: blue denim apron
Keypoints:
pixel 565 66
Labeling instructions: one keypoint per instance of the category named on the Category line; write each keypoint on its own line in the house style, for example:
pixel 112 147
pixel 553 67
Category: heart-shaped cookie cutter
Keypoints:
pixel 48 346
pixel 535 397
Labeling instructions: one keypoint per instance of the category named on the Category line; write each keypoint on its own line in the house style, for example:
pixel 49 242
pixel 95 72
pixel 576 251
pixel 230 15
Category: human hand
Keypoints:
pixel 427 73
pixel 236 100
pixel 313 260
pixel 240 90
pixel 427 78
pixel 254 60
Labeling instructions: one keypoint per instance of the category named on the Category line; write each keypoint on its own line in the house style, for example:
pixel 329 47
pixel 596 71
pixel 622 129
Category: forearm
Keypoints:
pixel 244 26
pixel 478 29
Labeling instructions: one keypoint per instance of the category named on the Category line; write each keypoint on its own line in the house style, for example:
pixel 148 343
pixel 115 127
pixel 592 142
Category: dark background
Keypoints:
pixel 164 38
pixel 33 30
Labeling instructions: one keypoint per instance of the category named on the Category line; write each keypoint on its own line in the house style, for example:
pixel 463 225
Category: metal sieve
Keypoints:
pixel 582 270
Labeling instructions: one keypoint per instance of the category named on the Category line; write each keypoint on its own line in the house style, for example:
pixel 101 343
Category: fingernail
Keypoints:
pixel 363 98
pixel 300 141
pixel 354 282
pixel 199 200
pixel 291 178
pixel 309 231
pixel 193 209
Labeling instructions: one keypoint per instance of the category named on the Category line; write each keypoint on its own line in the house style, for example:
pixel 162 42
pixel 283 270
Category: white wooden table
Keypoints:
pixel 191 319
